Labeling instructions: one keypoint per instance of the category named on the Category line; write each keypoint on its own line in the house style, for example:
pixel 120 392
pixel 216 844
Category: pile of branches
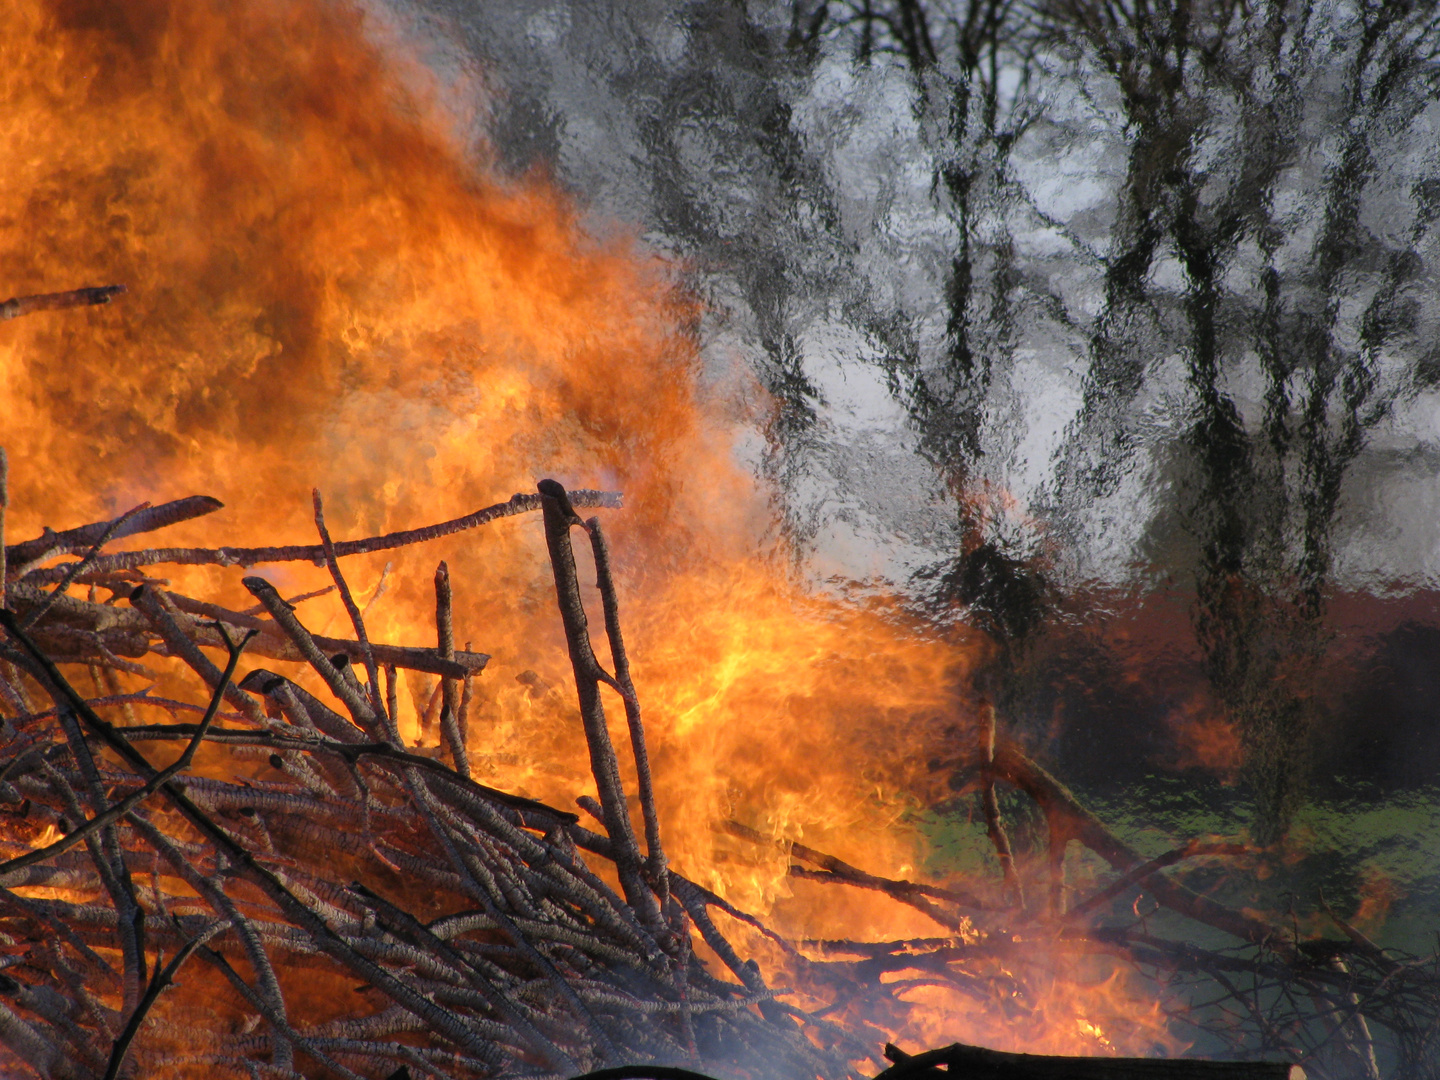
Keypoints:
pixel 479 924
pixel 483 928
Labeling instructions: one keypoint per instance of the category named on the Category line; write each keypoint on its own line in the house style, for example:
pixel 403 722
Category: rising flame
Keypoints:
pixel 327 290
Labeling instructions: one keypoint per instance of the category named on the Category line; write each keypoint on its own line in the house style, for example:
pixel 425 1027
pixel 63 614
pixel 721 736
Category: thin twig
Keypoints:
pixel 645 785
pixel 356 619
pixel 994 825
pixel 38 612
pixel 119 809
pixel 163 977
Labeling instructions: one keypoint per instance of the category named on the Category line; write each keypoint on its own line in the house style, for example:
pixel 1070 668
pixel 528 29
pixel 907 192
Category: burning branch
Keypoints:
pixel 26 305
pixel 315 553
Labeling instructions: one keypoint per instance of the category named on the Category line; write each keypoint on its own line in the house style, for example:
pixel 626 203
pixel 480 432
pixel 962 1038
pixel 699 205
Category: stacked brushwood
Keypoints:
pixel 478 923
pixel 535 966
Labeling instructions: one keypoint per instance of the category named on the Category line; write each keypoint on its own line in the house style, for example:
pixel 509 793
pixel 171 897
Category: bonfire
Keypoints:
pixel 266 878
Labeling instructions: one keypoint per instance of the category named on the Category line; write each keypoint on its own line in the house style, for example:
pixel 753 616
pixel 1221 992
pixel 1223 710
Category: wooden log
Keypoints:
pixel 978 1063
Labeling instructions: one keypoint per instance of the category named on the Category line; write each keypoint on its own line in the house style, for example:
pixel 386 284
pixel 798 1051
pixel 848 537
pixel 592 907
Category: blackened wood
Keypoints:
pixel 37 613
pixel 284 614
pixel 324 936
pixel 26 305
pixel 372 670
pixel 300 707
pixel 978 1063
pixel 115 811
pixel 155 604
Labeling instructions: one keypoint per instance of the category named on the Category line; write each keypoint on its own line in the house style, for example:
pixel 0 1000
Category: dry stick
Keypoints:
pixel 611 604
pixel 380 587
pixel 53 1010
pixel 284 615
pixel 470 871
pixel 559 516
pixel 63 930
pixel 164 977
pixel 300 707
pixel 78 615
pixel 79 539
pixel 275 645
pixel 431 715
pixel 38 612
pixel 443 1021
pixel 392 697
pixel 747 972
pixel 913 893
pixel 155 605
pixel 385 753
pixel 25 305
pixel 268 597
pixel 256 609
pixel 1149 869
pixel 114 690
pixel 35 1049
pixel 994 826
pixel 467 695
pixel 356 620
pixel 119 809
pixel 445 635
pixel 313 553
pixel 1071 820
pixel 285 1034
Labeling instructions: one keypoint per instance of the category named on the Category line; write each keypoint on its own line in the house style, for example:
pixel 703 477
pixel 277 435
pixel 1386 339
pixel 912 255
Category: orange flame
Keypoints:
pixel 326 290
